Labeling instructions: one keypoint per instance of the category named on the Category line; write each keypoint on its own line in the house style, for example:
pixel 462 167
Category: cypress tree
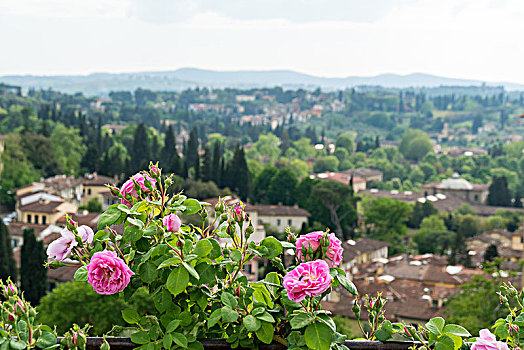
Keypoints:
pixel 499 194
pixel 215 168
pixel 7 261
pixel 197 167
pixel 284 141
pixel 33 274
pixel 239 174
pixel 141 150
pixel 191 149
pixel 207 166
pixel 168 152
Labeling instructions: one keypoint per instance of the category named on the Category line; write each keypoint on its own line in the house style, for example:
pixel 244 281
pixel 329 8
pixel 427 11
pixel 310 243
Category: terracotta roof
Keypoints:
pixel 362 245
pixel 60 182
pixel 363 172
pixel 339 177
pixel 46 207
pixel 16 229
pixel 98 180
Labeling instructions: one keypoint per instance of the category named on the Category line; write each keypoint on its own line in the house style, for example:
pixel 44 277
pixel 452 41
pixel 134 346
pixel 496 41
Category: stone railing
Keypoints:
pixel 125 343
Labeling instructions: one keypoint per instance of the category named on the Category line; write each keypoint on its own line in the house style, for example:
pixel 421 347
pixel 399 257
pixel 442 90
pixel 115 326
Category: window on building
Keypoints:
pixel 28 218
pixel 279 222
pixel 248 269
pixel 88 191
pixel 289 222
pixel 44 219
pixel 14 242
pixel 84 191
pixel 476 198
pixel 36 219
pixel 434 302
pixel 425 193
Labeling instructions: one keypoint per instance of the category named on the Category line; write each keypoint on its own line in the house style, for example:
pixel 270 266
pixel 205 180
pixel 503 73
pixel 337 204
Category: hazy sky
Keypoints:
pixel 478 39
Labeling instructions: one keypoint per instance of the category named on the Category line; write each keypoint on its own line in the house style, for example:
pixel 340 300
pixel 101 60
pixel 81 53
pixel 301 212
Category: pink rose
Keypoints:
pixel 310 278
pixel 332 253
pixel 128 188
pixel 239 214
pixel 86 233
pixel 488 341
pixel 107 273
pixel 62 247
pixel 171 223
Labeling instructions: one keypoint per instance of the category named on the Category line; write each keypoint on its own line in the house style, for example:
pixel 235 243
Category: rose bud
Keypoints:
pixel 19 308
pixel 171 223
pixel 11 318
pixel 10 289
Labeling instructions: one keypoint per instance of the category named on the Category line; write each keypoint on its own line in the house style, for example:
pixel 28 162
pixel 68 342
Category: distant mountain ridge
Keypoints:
pixel 183 78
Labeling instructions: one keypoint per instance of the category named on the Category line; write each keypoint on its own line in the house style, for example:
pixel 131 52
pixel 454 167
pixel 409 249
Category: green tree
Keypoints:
pixel 499 194
pixel 7 261
pixel 282 187
pixel 169 151
pixel 476 305
pixel 68 148
pixel 339 201
pixel 388 217
pixel 284 142
pixel 84 305
pixel 329 163
pixel 299 167
pixel 33 274
pixel 94 205
pixel 141 151
pixel 262 183
pixel 491 253
pixel 419 212
pixel 415 144
pixel 345 141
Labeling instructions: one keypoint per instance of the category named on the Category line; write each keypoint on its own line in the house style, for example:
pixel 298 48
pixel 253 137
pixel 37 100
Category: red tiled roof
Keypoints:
pixel 38 207
pixel 98 180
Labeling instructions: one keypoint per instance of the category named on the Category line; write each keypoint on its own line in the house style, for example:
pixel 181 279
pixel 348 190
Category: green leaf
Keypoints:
pixel 273 245
pixel 301 320
pixel 229 300
pixel 177 281
pixel 17 345
pixel 203 248
pixel 346 283
pixel 167 341
pixel 287 245
pixel 81 274
pixel 48 339
pixel 384 332
pixel 196 345
pixel 456 330
pixel 130 316
pixel 133 233
pixel 318 336
pixel 266 316
pixel 265 332
pixel 229 315
pixel 101 236
pixel 272 278
pixel 172 326
pixel 457 341
pixel 444 343
pixel 23 330
pixel 235 255
pixel 436 325
pixel 214 318
pixel 109 217
pixel 148 272
pixel 191 270
pixel 251 323
pixel 140 337
pixel 179 339
pixel 216 251
pixel 206 272
pixel 192 206
pixel 169 262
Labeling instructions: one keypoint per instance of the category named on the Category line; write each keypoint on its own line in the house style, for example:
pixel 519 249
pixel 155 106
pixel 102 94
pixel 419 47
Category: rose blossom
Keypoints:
pixel 107 273
pixel 61 248
pixel 171 223
pixel 310 278
pixel 128 188
pixel 488 341
pixel 312 240
pixel 86 233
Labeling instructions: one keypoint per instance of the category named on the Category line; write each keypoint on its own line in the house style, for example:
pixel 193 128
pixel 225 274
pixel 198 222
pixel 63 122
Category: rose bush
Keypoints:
pixel 195 273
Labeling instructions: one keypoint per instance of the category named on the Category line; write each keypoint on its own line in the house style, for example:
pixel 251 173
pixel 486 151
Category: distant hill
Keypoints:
pixel 103 83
